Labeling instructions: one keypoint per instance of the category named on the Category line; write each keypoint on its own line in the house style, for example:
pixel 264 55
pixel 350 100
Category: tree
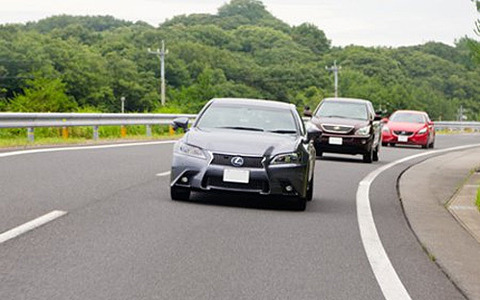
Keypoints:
pixel 43 95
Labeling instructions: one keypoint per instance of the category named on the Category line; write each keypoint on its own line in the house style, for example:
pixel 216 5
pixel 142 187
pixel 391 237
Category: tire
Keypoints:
pixel 384 144
pixel 309 195
pixel 319 154
pixel 368 157
pixel 177 193
pixel 392 144
pixel 375 153
pixel 301 203
pixel 425 146
pixel 432 145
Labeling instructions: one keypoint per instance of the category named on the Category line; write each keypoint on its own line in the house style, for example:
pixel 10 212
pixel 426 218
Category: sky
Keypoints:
pixel 390 23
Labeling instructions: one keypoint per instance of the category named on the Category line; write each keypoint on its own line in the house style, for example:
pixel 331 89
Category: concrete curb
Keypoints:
pixel 426 190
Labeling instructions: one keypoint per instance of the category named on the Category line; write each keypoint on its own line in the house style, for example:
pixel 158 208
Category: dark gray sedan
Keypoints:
pixel 245 145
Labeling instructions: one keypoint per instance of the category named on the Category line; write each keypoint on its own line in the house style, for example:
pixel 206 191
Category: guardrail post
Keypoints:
pixel 65 132
pixel 30 134
pixel 123 131
pixel 171 131
pixel 95 133
pixel 149 130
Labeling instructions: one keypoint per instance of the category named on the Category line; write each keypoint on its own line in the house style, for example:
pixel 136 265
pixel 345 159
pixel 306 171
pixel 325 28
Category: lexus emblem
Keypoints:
pixel 237 161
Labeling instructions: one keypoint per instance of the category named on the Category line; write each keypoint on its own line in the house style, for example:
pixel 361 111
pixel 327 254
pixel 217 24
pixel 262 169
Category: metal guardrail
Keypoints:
pixel 457 125
pixel 65 120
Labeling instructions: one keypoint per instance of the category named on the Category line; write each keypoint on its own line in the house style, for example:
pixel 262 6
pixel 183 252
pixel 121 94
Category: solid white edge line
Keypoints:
pixel 163 174
pixel 21 152
pixel 12 233
pixel 387 278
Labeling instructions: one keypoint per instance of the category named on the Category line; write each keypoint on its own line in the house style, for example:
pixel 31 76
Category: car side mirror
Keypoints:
pixel 180 123
pixel 384 120
pixel 431 123
pixel 313 133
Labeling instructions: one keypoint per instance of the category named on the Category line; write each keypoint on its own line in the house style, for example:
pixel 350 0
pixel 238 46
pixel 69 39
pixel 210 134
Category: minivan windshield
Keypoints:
pixel 346 110
pixel 248 118
pixel 407 118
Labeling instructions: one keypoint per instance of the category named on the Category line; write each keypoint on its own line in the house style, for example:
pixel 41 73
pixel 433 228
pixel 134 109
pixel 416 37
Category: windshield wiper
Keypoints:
pixel 242 128
pixel 334 116
pixel 286 131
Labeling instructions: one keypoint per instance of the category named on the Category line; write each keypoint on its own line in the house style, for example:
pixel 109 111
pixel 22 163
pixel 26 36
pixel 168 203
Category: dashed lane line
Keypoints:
pixel 12 233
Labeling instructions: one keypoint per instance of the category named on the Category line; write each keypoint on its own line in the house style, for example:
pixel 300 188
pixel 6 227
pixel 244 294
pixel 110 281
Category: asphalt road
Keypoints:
pixel 123 238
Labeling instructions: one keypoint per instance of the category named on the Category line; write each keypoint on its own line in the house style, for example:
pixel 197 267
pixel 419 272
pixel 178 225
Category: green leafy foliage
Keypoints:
pixel 67 63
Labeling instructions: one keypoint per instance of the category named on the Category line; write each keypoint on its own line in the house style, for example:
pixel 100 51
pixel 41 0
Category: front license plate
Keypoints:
pixel 403 138
pixel 236 175
pixel 335 141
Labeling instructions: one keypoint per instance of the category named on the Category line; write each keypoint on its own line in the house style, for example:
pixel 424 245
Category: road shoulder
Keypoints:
pixel 425 190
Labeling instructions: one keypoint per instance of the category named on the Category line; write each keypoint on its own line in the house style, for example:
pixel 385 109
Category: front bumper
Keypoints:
pixel 414 139
pixel 201 175
pixel 351 144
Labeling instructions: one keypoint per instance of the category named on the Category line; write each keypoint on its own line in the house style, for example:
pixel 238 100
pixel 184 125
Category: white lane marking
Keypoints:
pixel 387 278
pixel 163 174
pixel 21 152
pixel 31 225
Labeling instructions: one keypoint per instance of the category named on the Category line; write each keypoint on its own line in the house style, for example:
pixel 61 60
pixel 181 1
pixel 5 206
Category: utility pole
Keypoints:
pixel 335 70
pixel 161 55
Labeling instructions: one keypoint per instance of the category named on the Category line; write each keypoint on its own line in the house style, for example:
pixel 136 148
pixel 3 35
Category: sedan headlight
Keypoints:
pixel 287 158
pixel 363 131
pixel 385 128
pixel 189 150
pixel 422 131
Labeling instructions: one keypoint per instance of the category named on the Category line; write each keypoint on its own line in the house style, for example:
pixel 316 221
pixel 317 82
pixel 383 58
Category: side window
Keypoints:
pixel 371 111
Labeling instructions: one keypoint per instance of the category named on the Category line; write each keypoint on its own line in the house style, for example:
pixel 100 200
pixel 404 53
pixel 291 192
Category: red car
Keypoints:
pixel 408 127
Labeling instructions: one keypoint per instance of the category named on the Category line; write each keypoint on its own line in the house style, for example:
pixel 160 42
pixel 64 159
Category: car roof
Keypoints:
pixel 410 111
pixel 351 100
pixel 252 102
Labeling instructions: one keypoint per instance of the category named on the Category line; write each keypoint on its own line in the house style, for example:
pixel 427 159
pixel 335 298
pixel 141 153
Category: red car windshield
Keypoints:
pixel 407 118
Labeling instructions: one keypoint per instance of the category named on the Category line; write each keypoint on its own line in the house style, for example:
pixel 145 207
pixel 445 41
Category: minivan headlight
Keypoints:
pixel 287 158
pixel 189 150
pixel 363 131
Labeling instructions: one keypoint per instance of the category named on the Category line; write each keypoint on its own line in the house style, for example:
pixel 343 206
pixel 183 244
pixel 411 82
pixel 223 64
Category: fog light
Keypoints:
pixel 364 142
pixel 289 188
pixel 184 179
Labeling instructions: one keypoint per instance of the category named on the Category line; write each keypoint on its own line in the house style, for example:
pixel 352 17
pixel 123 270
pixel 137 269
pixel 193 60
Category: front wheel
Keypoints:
pixel 309 195
pixel 301 203
pixel 375 153
pixel 368 157
pixel 178 193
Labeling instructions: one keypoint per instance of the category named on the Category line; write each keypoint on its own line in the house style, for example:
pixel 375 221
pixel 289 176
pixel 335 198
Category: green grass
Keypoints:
pixel 80 135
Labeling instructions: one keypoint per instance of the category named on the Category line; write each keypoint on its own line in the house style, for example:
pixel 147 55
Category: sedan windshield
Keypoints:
pixel 248 118
pixel 346 110
pixel 407 118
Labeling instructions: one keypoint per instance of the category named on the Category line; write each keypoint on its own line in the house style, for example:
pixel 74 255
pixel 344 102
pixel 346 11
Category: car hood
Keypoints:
pixel 242 142
pixel 340 121
pixel 402 126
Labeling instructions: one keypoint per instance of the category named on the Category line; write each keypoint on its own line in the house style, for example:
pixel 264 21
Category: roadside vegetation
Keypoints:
pixel 86 64
pixel 82 135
